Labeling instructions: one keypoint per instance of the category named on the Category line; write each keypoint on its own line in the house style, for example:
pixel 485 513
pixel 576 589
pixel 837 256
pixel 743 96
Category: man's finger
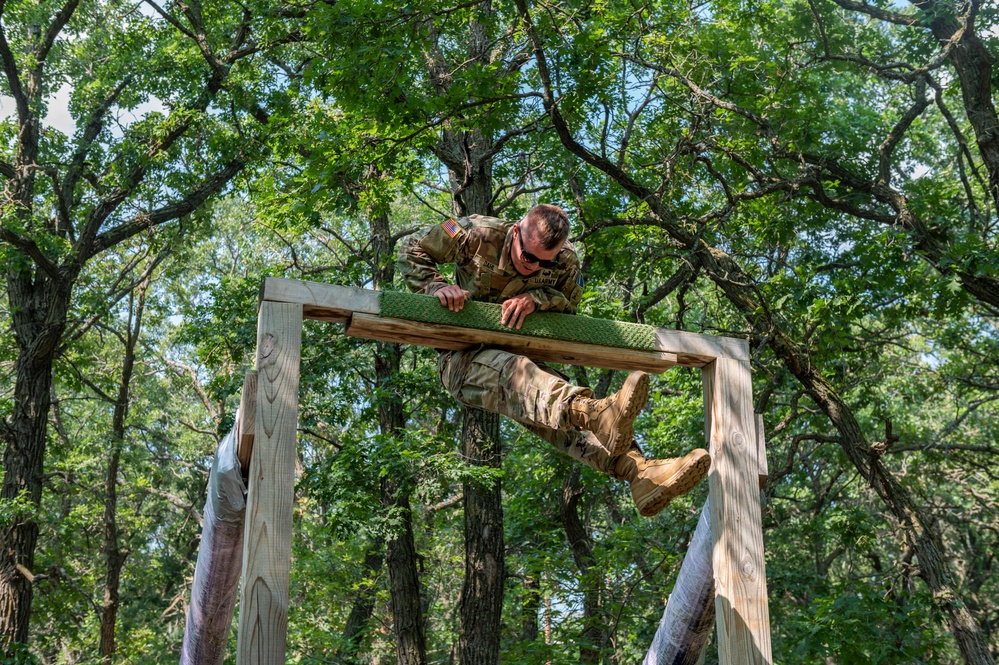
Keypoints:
pixel 514 313
pixel 523 315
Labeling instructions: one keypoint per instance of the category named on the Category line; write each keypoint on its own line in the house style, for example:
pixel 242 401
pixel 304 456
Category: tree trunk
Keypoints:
pixel 401 557
pixel 363 608
pixel 468 158
pixel 23 467
pixel 38 307
pixel 482 592
pixel 113 555
pixel 973 63
pixel 400 546
pixel 470 170
pixel 529 609
pixel 593 636
pixel 404 579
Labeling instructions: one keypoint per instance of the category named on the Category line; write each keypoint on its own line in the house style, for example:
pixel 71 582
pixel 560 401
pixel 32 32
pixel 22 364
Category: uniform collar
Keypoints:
pixel 504 260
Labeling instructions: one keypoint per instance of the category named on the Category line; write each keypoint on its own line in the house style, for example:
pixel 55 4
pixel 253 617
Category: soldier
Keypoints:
pixel 529 266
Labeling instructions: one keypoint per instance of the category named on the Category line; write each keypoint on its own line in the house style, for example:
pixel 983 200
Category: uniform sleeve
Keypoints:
pixel 564 297
pixel 422 252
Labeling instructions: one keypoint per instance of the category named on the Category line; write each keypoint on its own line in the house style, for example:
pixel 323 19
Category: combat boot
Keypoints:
pixel 656 482
pixel 611 418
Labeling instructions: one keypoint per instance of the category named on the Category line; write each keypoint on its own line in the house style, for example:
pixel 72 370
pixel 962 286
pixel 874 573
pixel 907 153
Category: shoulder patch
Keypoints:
pixel 451 228
pixel 579 280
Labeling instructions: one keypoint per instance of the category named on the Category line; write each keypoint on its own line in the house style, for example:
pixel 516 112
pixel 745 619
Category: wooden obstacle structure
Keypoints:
pixel 265 436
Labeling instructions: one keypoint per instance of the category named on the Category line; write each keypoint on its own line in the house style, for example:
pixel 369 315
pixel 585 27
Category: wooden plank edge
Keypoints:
pixel 325 302
pixel 440 336
pixel 697 350
pixel 246 422
pixel 761 451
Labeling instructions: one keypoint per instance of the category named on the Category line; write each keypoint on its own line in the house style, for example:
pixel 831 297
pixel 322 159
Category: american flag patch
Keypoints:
pixel 451 227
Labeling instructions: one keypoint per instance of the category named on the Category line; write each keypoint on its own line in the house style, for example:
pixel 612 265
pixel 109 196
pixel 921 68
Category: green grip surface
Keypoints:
pixel 486 316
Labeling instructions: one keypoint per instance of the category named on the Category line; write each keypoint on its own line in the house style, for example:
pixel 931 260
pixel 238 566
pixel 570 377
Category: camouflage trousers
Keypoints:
pixel 532 394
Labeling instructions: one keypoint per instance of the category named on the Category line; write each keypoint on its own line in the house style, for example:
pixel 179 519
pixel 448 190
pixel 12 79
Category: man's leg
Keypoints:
pixel 580 446
pixel 514 386
pixel 510 385
pixel 654 483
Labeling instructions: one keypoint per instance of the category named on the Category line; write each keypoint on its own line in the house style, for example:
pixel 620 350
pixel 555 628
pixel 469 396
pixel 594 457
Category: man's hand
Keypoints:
pixel 453 297
pixel 516 309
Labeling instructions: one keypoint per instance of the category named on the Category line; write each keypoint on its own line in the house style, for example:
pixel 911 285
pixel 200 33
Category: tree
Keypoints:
pixel 68 201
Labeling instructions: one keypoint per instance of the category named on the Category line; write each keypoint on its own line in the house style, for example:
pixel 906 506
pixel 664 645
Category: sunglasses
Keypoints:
pixel 527 257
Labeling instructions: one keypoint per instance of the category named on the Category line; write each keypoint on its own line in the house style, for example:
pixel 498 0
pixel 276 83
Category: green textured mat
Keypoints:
pixel 486 316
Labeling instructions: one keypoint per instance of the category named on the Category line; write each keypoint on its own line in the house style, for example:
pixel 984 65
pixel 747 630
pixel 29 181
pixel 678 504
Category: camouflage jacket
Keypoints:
pixel 480 249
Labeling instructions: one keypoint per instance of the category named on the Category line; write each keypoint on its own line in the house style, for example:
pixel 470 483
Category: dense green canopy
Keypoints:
pixel 820 177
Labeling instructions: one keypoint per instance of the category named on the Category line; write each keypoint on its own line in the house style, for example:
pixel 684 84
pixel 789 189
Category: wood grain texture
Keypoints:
pixel 247 421
pixel 696 350
pixel 263 617
pixel 324 302
pixel 743 616
pixel 453 337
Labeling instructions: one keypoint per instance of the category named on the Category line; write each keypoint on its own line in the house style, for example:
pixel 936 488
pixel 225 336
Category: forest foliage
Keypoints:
pixel 819 177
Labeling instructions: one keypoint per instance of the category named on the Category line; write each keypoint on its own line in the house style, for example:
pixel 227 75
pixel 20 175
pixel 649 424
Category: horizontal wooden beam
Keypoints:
pixel 322 302
pixel 330 302
pixel 696 350
pixel 538 348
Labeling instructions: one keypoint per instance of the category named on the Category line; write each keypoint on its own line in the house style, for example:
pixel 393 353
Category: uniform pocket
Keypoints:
pixel 481 385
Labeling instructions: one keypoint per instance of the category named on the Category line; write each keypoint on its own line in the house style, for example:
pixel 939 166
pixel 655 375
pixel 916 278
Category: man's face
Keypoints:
pixel 526 253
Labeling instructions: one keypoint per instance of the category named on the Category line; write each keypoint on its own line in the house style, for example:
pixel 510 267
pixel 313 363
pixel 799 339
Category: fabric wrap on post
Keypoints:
pixel 689 615
pixel 220 561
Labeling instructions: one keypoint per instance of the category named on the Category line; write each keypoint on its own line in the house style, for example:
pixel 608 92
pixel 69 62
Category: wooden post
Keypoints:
pixel 743 617
pixel 263 615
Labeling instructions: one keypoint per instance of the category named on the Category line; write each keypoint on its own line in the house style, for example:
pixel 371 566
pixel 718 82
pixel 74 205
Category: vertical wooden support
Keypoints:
pixel 743 617
pixel 263 615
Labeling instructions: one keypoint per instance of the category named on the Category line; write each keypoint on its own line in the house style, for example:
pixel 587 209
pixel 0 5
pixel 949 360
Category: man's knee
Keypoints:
pixel 467 374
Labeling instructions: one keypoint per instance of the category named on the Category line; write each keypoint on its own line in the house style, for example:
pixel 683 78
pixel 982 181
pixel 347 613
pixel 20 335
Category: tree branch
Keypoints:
pixel 198 389
pixel 58 23
pixel 92 129
pixel 13 76
pixel 887 146
pixel 77 330
pixel 702 93
pixel 207 188
pixel 28 246
pixel 878 13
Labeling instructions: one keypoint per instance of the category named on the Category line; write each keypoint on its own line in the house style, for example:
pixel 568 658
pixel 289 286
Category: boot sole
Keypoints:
pixel 637 385
pixel 686 478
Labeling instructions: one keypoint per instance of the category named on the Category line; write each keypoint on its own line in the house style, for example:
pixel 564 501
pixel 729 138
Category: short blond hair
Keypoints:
pixel 550 224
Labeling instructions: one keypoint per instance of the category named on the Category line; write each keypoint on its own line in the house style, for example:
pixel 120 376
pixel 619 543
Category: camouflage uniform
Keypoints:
pixel 531 393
